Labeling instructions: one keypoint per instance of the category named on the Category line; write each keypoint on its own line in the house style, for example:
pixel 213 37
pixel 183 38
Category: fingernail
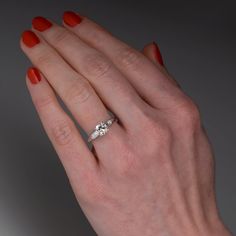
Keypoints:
pixel 41 24
pixel 34 75
pixel 30 39
pixel 71 19
pixel 158 55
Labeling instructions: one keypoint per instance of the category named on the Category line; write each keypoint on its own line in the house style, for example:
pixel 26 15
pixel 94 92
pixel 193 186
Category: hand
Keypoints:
pixel 152 173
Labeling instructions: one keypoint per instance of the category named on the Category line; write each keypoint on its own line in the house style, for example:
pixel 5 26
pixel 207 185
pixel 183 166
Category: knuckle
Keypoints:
pixel 98 33
pixel 78 92
pixel 128 58
pixel 44 59
pixel 189 114
pixel 60 36
pixel 96 65
pixel 43 102
pixel 62 132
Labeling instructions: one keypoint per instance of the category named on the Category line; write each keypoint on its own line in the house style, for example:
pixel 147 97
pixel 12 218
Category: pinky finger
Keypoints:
pixel 152 52
pixel 73 152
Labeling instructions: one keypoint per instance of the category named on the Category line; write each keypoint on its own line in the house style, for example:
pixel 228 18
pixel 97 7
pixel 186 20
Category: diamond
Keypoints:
pixel 109 122
pixel 102 128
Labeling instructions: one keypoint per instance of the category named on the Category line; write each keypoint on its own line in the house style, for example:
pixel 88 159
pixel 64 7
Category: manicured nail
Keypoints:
pixel 30 39
pixel 34 75
pixel 158 55
pixel 72 19
pixel 41 24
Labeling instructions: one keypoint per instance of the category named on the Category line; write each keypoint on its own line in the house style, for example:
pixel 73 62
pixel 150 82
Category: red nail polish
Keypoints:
pixel 34 75
pixel 158 55
pixel 30 39
pixel 41 24
pixel 72 19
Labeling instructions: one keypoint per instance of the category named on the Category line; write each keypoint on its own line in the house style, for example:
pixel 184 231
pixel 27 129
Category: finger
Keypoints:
pixel 67 141
pixel 152 52
pixel 75 90
pixel 116 92
pixel 148 79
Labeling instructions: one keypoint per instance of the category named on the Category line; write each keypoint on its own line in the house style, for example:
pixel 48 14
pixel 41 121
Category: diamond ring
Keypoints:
pixel 101 128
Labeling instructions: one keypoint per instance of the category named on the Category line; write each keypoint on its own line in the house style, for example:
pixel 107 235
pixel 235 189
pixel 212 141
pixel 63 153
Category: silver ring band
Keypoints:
pixel 101 129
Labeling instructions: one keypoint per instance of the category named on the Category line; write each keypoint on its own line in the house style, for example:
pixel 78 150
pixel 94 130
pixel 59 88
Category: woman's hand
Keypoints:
pixel 152 173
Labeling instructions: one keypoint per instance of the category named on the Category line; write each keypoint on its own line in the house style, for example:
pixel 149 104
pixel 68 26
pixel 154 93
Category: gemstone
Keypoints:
pixel 102 128
pixel 109 122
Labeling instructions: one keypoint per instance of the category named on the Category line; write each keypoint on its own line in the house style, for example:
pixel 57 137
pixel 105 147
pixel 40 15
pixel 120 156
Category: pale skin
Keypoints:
pixel 153 172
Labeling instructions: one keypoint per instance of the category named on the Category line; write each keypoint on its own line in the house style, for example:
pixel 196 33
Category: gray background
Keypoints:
pixel 197 40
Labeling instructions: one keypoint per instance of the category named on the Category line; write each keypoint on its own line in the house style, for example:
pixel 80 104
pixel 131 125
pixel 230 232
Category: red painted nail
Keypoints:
pixel 158 55
pixel 72 19
pixel 41 24
pixel 30 39
pixel 34 75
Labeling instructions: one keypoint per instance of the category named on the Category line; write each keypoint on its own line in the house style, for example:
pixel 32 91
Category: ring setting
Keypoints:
pixel 101 129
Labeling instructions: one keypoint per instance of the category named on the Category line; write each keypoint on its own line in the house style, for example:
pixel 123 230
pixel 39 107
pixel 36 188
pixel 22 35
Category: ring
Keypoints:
pixel 101 129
